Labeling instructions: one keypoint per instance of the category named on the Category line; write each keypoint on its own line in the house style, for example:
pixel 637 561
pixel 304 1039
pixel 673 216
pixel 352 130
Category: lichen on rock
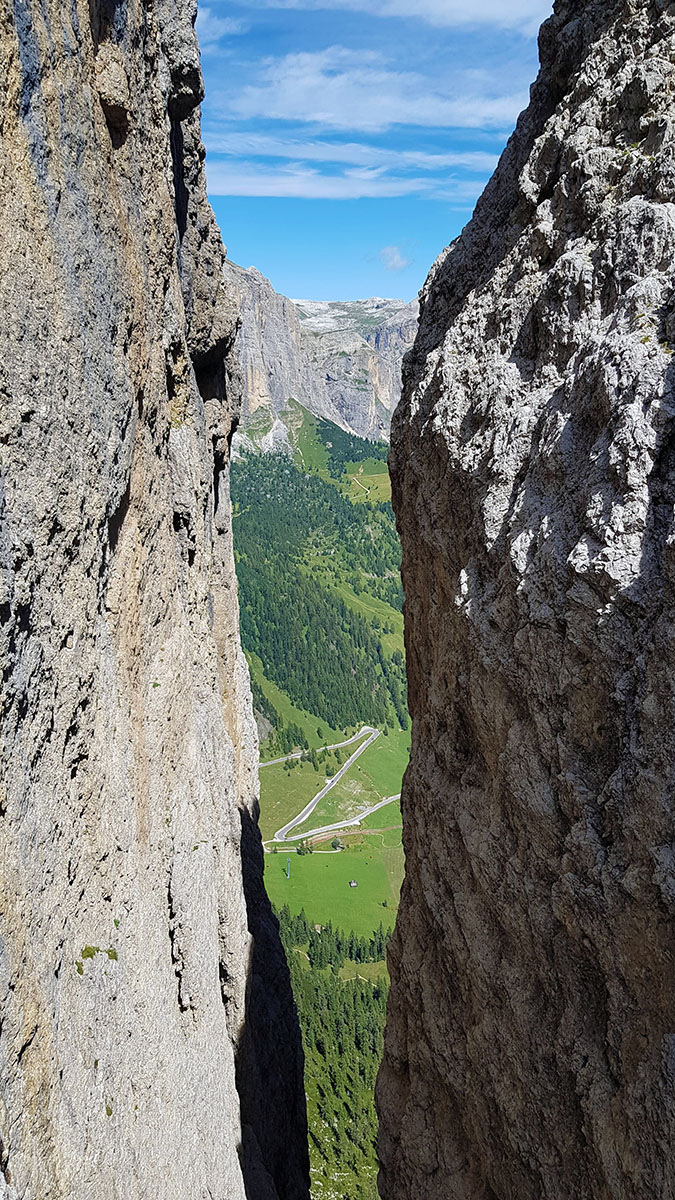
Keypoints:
pixel 529 1050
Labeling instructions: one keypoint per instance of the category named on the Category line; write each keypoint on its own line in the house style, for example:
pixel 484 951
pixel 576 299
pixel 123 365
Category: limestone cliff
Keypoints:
pixel 531 1041
pixel 148 1046
pixel 342 361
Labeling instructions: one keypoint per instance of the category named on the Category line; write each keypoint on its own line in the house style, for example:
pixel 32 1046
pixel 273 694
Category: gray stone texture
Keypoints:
pixel 148 1044
pixel 530 1050
pixel 342 361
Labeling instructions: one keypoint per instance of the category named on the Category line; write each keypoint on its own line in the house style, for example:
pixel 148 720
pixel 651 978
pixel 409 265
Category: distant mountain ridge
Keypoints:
pixel 339 359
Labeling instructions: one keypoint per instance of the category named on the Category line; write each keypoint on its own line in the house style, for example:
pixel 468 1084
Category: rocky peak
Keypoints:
pixel 340 360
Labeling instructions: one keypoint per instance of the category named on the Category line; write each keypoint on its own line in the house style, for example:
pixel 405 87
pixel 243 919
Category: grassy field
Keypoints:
pixel 371 971
pixel 385 761
pixel 376 774
pixel 284 794
pixel 310 450
pixel 319 883
pixel 385 817
pixel 368 480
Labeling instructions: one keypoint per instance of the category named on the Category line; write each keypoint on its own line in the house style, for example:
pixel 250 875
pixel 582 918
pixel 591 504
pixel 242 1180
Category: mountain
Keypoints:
pixel 530 1047
pixel 339 360
pixel 148 1042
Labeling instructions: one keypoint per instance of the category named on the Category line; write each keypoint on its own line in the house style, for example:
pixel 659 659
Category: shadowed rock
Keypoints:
pixel 530 1048
pixel 130 962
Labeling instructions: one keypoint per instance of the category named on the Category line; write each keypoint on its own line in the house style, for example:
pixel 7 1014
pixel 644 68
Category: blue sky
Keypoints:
pixel 348 140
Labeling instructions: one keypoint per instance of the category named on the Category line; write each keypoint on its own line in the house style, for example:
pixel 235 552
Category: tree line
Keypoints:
pixel 331 946
pixel 328 658
pixel 344 448
pixel 342 1025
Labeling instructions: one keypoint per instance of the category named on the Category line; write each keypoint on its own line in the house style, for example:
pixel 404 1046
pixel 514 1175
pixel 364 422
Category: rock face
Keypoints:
pixel 342 361
pixel 148 1046
pixel 357 348
pixel 530 1050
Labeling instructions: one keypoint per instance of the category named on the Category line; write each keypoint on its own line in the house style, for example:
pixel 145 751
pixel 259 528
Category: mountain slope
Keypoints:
pixel 148 1043
pixel 318 565
pixel 342 361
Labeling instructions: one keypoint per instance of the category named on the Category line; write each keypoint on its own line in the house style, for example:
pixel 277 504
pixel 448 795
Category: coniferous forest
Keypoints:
pixel 298 541
pixel 319 589
pixel 342 1023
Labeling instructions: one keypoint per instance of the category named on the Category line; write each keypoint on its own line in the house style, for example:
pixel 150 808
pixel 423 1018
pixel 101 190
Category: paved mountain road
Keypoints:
pixel 337 746
pixel 282 834
pixel 342 824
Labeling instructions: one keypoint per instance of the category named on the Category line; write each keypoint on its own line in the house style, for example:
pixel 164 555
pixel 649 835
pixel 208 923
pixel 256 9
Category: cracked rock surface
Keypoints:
pixel 342 361
pixel 148 1043
pixel 530 1049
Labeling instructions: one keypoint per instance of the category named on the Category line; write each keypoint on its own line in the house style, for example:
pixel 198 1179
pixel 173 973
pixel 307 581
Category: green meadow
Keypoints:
pixel 376 774
pixel 319 883
pixel 284 793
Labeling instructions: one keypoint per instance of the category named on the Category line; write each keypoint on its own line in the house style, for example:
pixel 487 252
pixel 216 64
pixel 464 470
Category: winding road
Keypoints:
pixel 341 824
pixel 282 834
pixel 271 762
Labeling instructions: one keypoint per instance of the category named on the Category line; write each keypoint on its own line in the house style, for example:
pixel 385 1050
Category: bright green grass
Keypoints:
pixel 311 452
pixel 377 773
pixel 371 971
pixel 385 761
pixel 347 799
pixel 290 712
pixel 386 846
pixel 312 455
pixel 284 794
pixel 383 818
pixel 373 475
pixel 319 883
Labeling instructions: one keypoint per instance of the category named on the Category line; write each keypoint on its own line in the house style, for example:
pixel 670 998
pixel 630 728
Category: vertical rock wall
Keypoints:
pixel 530 1051
pixel 148 1047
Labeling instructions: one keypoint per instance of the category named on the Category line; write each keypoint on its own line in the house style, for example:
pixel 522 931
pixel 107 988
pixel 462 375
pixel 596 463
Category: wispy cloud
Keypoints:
pixel 252 179
pixel 211 29
pixel 237 178
pixel 523 15
pixel 393 259
pixel 338 88
pixel 355 153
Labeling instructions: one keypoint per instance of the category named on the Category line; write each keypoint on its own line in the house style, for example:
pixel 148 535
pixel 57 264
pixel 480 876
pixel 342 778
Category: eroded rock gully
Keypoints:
pixel 148 1046
pixel 530 1049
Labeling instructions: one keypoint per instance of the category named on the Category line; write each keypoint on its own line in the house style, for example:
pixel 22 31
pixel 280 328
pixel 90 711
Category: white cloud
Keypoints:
pixel 354 153
pixel 393 259
pixel 339 88
pixel 524 15
pixel 299 181
pixel 212 29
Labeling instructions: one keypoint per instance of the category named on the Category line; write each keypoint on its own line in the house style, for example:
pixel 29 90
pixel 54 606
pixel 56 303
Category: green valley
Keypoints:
pixel 318 565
